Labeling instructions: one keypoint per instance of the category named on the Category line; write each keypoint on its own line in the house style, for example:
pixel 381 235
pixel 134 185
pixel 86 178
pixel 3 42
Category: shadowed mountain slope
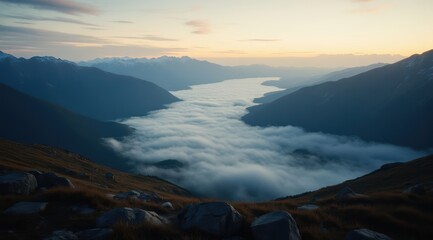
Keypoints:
pixel 392 104
pixel 84 90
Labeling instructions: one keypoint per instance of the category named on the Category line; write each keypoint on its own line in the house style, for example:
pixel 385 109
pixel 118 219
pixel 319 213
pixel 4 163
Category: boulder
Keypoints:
pixel 167 205
pixel 95 234
pixel 365 234
pixel 26 208
pixel 275 225
pixel 17 183
pixel 216 218
pixel 51 180
pixel 309 207
pixel 109 176
pixel 129 216
pixel 416 189
pixel 62 235
pixel 347 193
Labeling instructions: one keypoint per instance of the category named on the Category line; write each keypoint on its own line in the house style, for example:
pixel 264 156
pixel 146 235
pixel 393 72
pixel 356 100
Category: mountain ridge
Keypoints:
pixel 179 73
pixel 26 119
pixel 390 104
pixel 85 90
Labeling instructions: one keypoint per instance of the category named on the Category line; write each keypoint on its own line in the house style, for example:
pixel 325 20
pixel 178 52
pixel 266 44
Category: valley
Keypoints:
pixel 216 120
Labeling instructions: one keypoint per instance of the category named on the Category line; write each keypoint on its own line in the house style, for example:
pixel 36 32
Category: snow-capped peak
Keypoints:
pixel 5 56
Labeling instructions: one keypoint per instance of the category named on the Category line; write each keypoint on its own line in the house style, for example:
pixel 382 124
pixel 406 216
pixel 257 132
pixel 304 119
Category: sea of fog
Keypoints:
pixel 226 158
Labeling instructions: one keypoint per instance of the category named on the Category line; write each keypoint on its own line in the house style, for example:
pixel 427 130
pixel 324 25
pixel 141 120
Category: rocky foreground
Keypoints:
pixel 213 219
pixel 63 200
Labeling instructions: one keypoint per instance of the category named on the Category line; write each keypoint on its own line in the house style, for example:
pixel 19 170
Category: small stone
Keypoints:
pixel 26 208
pixel 309 207
pixel 416 189
pixel 62 235
pixel 129 216
pixel 95 234
pixel 167 205
pixel 109 176
pixel 365 234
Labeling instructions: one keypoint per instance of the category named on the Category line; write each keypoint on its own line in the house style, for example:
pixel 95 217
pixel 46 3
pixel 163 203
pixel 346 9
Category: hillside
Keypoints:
pixel 292 84
pixel 27 119
pixel 389 178
pixel 391 104
pixel 383 207
pixel 174 73
pixel 84 90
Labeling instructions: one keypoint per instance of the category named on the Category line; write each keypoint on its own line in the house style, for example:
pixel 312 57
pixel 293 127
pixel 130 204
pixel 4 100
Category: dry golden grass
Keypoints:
pixel 386 209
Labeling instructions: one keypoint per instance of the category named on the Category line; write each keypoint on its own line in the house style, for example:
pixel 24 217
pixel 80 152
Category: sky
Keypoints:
pixel 232 32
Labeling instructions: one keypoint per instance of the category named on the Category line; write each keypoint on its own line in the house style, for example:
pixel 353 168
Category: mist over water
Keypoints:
pixel 226 158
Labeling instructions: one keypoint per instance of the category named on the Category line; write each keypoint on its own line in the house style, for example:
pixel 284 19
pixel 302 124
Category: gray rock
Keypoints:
pixel 275 225
pixel 126 195
pixel 365 234
pixel 152 197
pixel 110 176
pixel 167 205
pixel 95 234
pixel 35 172
pixel 17 183
pixel 309 207
pixel 62 235
pixel 51 180
pixel 129 216
pixel 84 210
pixel 347 193
pixel 216 218
pixel 26 208
pixel 416 189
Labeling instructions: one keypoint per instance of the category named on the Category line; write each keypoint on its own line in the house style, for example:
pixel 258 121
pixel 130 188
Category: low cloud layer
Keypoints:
pixel 227 159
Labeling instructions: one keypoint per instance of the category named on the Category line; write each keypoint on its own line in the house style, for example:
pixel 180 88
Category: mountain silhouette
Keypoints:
pixel 85 90
pixel 176 73
pixel 392 104
pixel 26 119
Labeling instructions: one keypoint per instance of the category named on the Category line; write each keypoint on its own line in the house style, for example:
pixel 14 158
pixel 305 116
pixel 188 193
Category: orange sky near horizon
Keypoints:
pixel 221 30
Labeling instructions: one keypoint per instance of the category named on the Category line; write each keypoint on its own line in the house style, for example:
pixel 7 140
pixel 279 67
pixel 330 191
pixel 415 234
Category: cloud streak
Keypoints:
pixel 123 21
pixel 151 37
pixel 50 19
pixel 260 40
pixel 199 26
pixel 64 6
pixel 72 46
pixel 227 159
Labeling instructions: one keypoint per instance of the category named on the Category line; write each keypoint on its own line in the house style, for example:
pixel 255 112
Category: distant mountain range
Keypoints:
pixel 85 90
pixel 392 104
pixel 294 84
pixel 175 73
pixel 26 119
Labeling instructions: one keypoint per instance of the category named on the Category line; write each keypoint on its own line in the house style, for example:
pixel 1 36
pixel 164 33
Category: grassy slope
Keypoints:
pixel 387 210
